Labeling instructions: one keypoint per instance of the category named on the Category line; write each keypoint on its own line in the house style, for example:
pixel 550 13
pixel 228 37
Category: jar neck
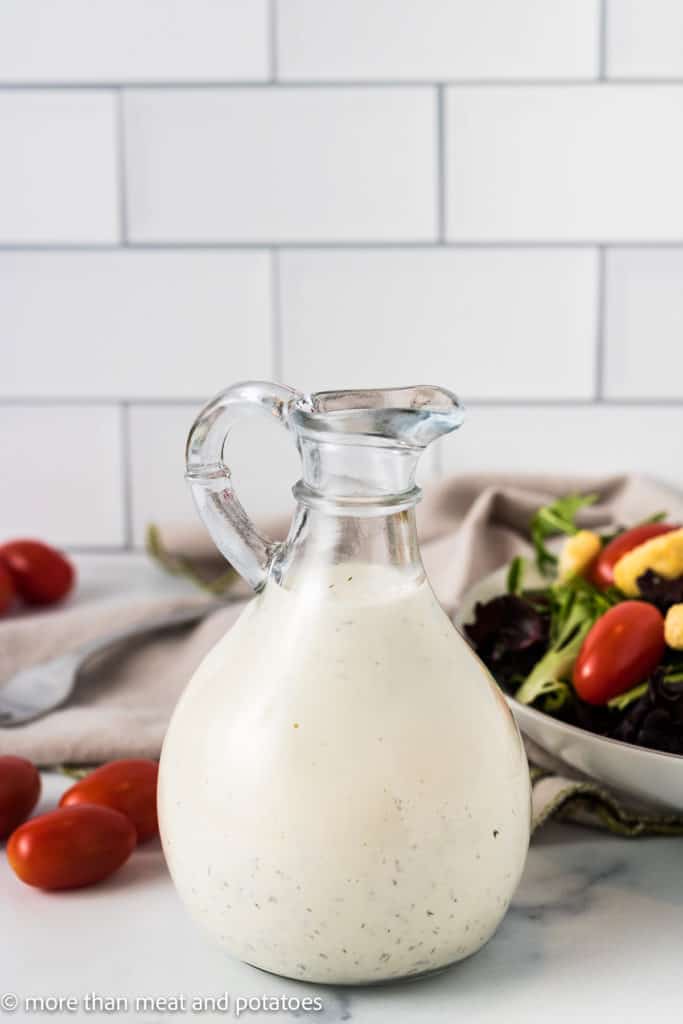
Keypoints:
pixel 319 540
pixel 373 475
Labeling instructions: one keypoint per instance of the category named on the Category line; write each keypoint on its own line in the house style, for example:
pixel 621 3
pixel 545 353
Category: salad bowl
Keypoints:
pixel 634 773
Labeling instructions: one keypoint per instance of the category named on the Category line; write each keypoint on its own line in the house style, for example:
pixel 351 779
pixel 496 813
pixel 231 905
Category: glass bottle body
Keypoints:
pixel 344 795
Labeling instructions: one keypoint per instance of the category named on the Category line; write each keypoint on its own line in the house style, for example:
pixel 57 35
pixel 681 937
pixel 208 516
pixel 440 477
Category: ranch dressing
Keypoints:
pixel 344 795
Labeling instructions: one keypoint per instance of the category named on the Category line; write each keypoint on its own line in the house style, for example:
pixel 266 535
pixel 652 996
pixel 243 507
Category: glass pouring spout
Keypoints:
pixel 360 449
pixel 359 452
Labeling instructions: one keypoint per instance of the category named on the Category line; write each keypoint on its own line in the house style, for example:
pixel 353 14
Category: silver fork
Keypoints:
pixel 33 692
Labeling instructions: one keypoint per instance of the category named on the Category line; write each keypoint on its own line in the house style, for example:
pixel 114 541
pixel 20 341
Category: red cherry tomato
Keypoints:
pixel 622 648
pixel 40 573
pixel 71 847
pixel 126 786
pixel 8 591
pixel 19 792
pixel 602 573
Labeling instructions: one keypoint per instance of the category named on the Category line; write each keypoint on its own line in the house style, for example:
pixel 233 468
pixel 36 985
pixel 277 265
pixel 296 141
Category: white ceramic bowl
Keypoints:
pixel 646 776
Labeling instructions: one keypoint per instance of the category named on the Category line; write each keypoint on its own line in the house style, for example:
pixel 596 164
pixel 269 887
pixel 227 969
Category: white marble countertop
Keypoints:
pixel 594 933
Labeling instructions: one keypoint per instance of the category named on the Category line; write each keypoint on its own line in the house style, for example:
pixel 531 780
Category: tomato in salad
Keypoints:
pixel 621 649
pixel 602 571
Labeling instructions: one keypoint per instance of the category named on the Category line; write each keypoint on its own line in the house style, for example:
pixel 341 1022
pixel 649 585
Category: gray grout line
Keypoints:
pixel 43 401
pixel 441 163
pixel 276 315
pixel 273 40
pixel 262 83
pixel 126 476
pixel 121 167
pixel 600 324
pixel 99 402
pixel 389 83
pixel 268 83
pixel 575 403
pixel 360 246
pixel 603 28
pixel 99 549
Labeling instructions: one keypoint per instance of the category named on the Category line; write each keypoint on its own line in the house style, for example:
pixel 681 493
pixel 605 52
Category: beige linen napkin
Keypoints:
pixel 468 527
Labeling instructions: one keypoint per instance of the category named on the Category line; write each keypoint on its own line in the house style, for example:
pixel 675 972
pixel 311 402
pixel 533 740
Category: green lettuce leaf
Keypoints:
pixel 558 517
pixel 576 606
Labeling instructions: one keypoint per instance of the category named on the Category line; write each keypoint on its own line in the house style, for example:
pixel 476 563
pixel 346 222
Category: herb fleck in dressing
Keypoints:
pixel 344 796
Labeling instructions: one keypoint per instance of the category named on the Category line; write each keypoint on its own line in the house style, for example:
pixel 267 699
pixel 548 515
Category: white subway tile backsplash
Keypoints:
pixel 160 244
pixel 644 319
pixel 263 462
pixel 512 323
pixel 157 443
pixel 58 170
pixel 132 324
pixel 577 440
pixel 110 40
pixel 253 165
pixel 61 471
pixel 437 39
pixel 581 163
pixel 645 39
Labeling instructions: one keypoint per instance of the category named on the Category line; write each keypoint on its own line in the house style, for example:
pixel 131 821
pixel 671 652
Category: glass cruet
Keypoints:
pixel 343 794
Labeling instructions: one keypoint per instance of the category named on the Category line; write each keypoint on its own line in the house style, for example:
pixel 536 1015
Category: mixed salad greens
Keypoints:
pixel 600 644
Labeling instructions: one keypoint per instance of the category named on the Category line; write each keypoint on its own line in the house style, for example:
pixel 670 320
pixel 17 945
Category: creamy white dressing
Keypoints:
pixel 343 794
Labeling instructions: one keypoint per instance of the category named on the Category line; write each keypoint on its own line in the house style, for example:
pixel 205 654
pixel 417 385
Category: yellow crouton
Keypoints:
pixel 578 551
pixel 673 627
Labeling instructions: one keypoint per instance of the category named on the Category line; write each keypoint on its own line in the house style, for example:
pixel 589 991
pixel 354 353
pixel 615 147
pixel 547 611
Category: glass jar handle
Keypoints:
pixel 232 530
